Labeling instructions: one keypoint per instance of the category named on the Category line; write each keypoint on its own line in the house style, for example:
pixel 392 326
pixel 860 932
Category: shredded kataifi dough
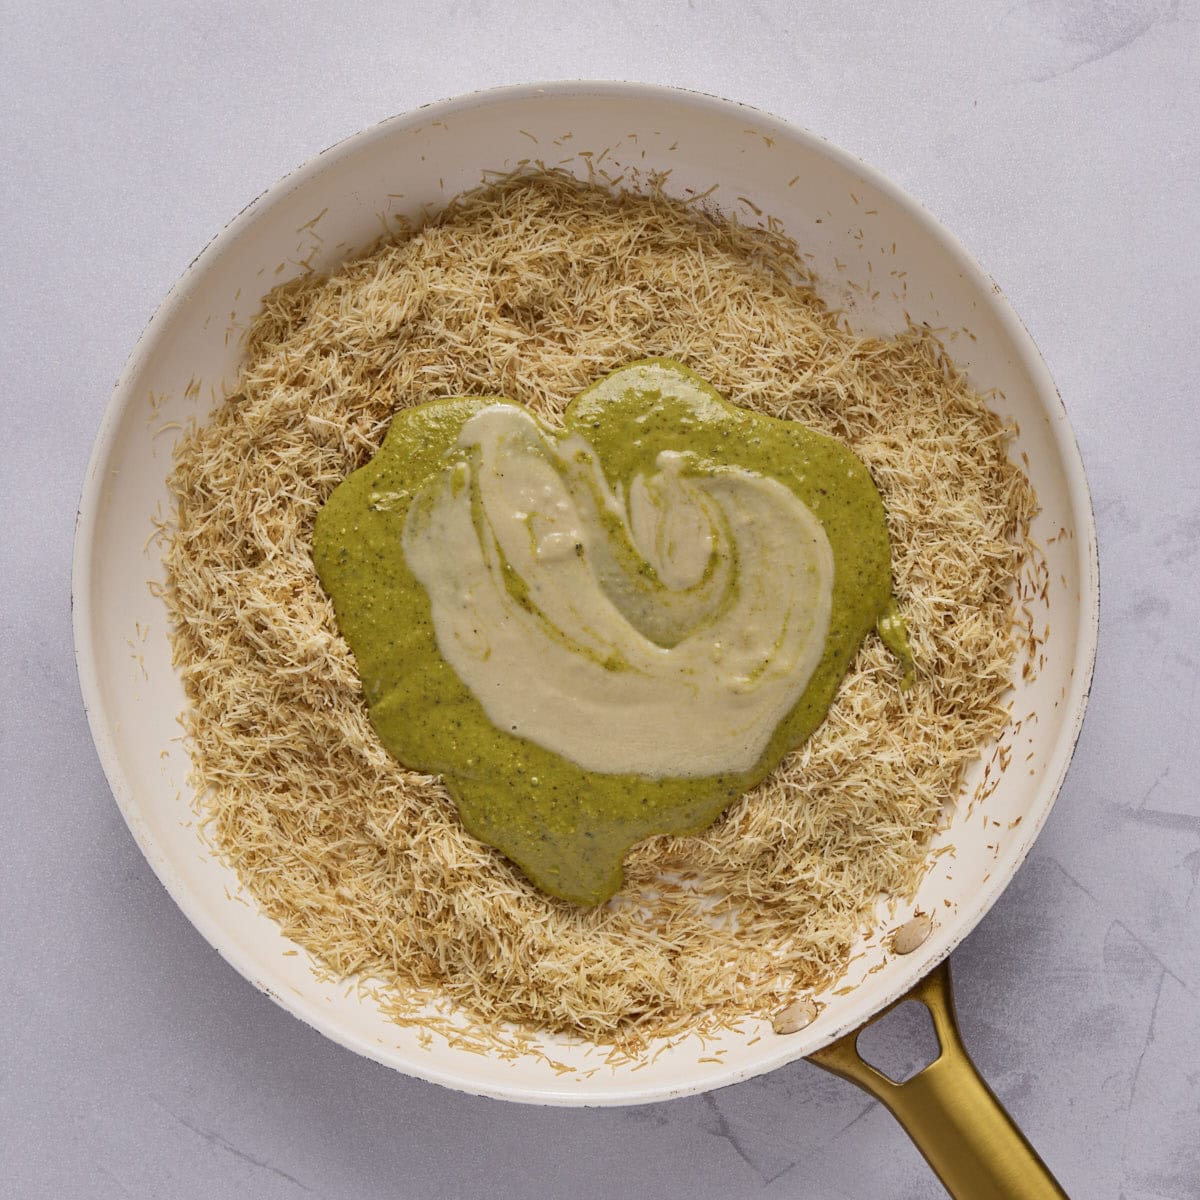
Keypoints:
pixel 533 287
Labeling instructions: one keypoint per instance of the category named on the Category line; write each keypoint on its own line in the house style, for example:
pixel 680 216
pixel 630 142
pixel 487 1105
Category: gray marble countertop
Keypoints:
pixel 1057 138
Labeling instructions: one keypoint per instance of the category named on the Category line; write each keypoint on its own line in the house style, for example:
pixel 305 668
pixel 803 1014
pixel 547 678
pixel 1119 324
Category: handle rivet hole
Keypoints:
pixel 912 934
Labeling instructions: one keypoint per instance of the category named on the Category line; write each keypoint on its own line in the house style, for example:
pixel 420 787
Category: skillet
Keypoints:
pixel 842 213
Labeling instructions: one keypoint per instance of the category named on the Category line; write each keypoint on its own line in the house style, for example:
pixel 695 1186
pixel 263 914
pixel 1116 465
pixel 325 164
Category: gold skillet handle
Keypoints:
pixel 948 1111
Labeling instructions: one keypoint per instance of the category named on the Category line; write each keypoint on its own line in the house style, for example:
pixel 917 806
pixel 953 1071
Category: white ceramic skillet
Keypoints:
pixel 881 256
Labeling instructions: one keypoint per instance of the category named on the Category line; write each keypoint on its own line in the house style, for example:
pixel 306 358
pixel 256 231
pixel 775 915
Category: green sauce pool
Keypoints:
pixel 607 632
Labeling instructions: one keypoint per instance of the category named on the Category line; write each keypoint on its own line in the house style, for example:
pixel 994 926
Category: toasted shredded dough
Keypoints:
pixel 532 288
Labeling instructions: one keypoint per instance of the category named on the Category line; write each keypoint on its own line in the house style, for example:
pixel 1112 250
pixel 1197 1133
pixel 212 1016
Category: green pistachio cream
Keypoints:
pixel 607 631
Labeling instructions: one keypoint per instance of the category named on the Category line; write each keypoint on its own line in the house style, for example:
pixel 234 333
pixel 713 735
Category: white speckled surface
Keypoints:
pixel 1057 138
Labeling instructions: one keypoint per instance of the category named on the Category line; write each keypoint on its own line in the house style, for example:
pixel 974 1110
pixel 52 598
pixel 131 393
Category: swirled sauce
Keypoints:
pixel 668 630
pixel 607 631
